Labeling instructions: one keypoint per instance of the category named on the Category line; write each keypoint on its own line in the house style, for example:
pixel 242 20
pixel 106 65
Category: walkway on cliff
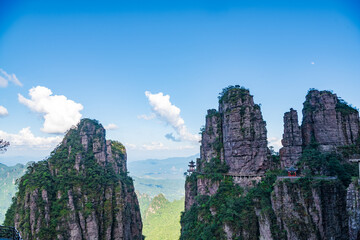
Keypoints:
pixel 297 177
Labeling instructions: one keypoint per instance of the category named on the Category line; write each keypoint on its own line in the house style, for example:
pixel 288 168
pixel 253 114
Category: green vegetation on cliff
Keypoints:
pixel 231 206
pixel 73 181
pixel 235 212
pixel 8 177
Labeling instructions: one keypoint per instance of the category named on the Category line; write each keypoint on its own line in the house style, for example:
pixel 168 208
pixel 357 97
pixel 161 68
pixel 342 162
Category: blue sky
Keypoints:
pixel 106 55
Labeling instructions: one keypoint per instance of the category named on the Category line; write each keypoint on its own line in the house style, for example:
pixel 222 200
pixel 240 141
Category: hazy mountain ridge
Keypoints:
pixel 8 177
pixel 169 168
pixel 161 217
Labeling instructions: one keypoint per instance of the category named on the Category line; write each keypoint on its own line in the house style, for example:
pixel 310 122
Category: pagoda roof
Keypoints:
pixel 292 169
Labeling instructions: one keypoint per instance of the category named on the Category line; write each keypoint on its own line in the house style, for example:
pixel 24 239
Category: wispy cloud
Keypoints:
pixel 170 114
pixel 111 126
pixel 5 78
pixel 26 138
pixel 171 137
pixel 147 117
pixel 3 111
pixel 157 146
pixel 59 113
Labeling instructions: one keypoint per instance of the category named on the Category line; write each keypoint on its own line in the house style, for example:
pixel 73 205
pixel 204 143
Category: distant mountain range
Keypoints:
pixel 161 218
pixel 170 168
pixel 151 177
pixel 156 176
pixel 8 176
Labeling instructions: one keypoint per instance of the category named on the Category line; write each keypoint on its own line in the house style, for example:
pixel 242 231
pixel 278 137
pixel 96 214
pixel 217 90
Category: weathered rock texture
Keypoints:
pixel 292 140
pixel 329 121
pixel 276 208
pixel 353 209
pixel 237 136
pixel 244 133
pixel 314 212
pixel 211 140
pixel 81 192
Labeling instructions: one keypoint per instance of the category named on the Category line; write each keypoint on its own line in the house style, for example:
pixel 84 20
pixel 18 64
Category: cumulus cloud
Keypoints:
pixel 59 113
pixel 26 138
pixel 111 126
pixel 5 78
pixel 170 114
pixel 3 111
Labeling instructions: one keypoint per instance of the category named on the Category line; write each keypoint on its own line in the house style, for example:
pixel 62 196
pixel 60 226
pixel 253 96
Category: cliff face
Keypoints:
pixel 329 121
pixel 311 210
pixel 353 209
pixel 244 133
pixel 221 204
pixel 234 142
pixel 81 191
pixel 292 140
pixel 211 140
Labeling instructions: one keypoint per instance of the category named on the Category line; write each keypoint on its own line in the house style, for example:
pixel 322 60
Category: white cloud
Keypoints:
pixel 312 63
pixel 154 146
pixel 170 114
pixel 147 117
pixel 111 126
pixel 26 138
pixel 130 146
pixel 5 78
pixel 59 113
pixel 275 142
pixel 3 111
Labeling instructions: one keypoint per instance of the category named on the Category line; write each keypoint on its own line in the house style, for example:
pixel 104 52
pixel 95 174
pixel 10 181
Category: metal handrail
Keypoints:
pixel 9 233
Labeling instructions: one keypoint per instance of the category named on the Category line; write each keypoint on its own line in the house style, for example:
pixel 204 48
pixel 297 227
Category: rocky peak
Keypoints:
pixel 292 140
pixel 83 188
pixel 244 132
pixel 329 121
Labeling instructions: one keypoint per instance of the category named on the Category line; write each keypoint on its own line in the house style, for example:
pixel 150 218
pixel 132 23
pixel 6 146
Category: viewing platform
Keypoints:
pixel 236 176
pixel 316 178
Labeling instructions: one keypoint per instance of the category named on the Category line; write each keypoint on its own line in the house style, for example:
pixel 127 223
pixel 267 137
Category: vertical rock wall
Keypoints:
pixel 329 121
pixel 211 140
pixel 292 140
pixel 312 210
pixel 244 133
pixel 353 209
pixel 81 192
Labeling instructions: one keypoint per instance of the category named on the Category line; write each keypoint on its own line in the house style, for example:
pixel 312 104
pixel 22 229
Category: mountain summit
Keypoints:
pixel 82 191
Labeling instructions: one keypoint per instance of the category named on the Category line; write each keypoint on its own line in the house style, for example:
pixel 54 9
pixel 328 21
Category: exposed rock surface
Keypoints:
pixel 292 140
pixel 81 192
pixel 244 133
pixel 237 136
pixel 190 194
pixel 211 139
pixel 276 208
pixel 317 212
pixel 353 209
pixel 329 121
